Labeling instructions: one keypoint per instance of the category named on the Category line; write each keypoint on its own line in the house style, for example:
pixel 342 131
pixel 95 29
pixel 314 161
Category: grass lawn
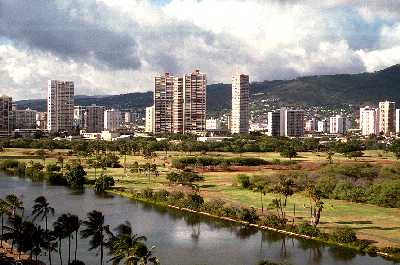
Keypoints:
pixel 381 225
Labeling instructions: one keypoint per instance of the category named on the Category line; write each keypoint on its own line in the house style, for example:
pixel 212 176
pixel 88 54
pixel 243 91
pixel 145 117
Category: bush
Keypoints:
pixel 195 201
pixel 185 177
pixel 244 181
pixel 8 164
pixel 161 195
pixel 248 215
pixel 385 194
pixel 344 235
pixel 55 178
pixel 308 230
pixel 272 220
pixel 103 183
pixel 20 170
pixel 148 193
pixel 75 176
pixel 53 168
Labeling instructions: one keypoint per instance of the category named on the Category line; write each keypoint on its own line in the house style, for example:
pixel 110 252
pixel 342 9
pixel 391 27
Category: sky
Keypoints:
pixel 116 47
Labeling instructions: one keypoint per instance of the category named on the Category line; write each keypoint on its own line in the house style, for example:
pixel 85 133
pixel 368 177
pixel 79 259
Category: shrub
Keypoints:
pixel 53 168
pixel 75 176
pixel 272 220
pixel 161 195
pixel 344 235
pixel 103 183
pixel 148 193
pixel 244 181
pixel 248 215
pixel 308 230
pixel 20 170
pixel 55 178
pixel 385 193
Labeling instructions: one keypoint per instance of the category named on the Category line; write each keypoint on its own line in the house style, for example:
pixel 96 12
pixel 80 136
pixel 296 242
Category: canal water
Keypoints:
pixel 181 238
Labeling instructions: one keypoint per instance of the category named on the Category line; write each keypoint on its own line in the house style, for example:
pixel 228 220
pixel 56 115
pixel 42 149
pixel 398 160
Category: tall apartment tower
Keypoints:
pixel 387 117
pixel 149 125
pixel 240 103
pixel 112 120
pixel 338 124
pixel 60 105
pixel 25 119
pixel 177 106
pixel 5 115
pixel 194 102
pixel 291 122
pixel 274 123
pixel 163 103
pixel 369 121
pixel 94 119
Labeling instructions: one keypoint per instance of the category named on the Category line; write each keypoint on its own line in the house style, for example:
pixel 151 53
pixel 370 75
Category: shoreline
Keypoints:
pixel 259 227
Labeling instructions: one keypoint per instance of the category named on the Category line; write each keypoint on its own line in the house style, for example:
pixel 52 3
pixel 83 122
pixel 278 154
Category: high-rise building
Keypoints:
pixel 274 123
pixel 369 121
pixel 397 121
pixel 177 106
pixel 25 119
pixel 338 124
pixel 311 125
pixel 112 120
pixel 240 103
pixel 291 122
pixel 79 117
pixel 149 126
pixel 194 102
pixel 41 120
pixel 323 126
pixel 5 115
pixel 163 103
pixel 60 105
pixel 387 117
pixel 213 124
pixel 94 119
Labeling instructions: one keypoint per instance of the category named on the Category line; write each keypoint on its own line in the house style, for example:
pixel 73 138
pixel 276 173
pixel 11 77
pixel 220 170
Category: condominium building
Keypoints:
pixel 163 103
pixel 112 120
pixel 79 117
pixel 338 124
pixel 311 125
pixel 291 122
pixel 213 124
pixel 274 123
pixel 149 126
pixel 177 106
pixel 94 119
pixel 194 102
pixel 369 121
pixel 5 113
pixel 387 117
pixel 397 121
pixel 25 119
pixel 323 126
pixel 240 103
pixel 41 120
pixel 60 105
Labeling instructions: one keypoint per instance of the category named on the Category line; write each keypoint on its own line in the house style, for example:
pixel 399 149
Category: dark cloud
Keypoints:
pixel 44 25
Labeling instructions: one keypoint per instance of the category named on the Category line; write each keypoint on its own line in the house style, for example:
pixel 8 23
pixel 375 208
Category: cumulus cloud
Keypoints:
pixel 109 46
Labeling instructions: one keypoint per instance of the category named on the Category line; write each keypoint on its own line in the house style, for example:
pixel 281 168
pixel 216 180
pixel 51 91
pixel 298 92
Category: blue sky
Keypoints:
pixel 110 47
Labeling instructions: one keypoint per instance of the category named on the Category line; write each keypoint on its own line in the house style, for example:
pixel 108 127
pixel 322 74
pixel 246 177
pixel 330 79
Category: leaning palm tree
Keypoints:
pixel 42 209
pixel 14 204
pixel 13 230
pixel 97 231
pixel 123 246
pixel 4 209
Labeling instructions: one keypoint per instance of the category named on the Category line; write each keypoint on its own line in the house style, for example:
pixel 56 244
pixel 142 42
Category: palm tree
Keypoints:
pixel 64 221
pixel 42 209
pixel 123 246
pixel 75 224
pixel 13 230
pixel 4 209
pixel 60 234
pixel 14 204
pixel 95 228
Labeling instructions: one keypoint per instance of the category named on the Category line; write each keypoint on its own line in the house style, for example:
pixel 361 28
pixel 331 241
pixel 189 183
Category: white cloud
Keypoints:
pixel 267 39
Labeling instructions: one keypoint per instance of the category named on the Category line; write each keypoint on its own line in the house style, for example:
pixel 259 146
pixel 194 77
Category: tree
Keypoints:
pixel 260 187
pixel 4 209
pixel 59 233
pixel 316 204
pixel 14 204
pixel 285 187
pixel 42 209
pixel 41 153
pixel 13 230
pixel 76 176
pixel 123 245
pixel 104 182
pixel 60 160
pixel 289 152
pixel 395 148
pixel 124 150
pixel 75 224
pixel 64 223
pixel 329 156
pixel 97 231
